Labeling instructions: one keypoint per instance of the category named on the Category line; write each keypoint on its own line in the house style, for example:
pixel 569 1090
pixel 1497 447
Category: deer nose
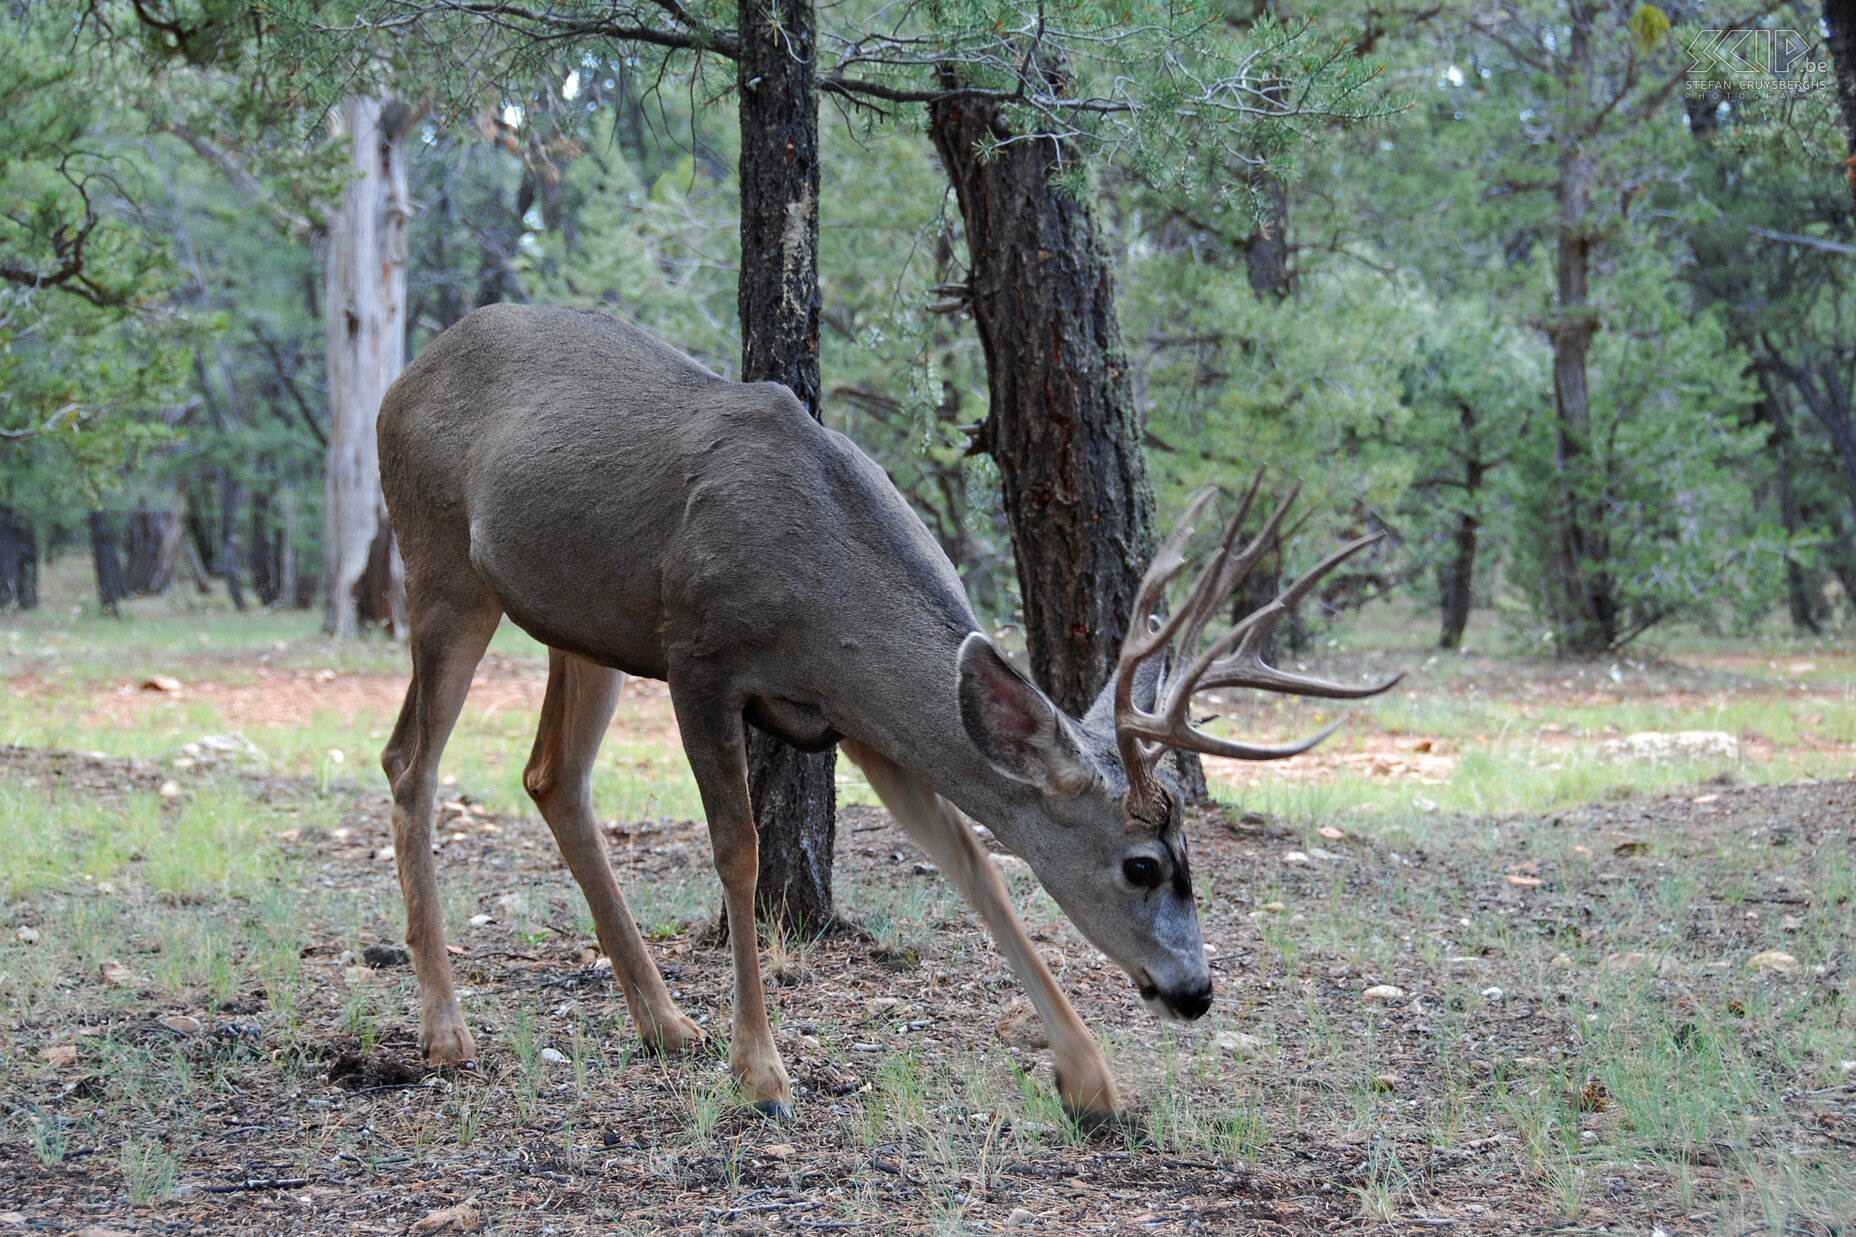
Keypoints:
pixel 1191 1002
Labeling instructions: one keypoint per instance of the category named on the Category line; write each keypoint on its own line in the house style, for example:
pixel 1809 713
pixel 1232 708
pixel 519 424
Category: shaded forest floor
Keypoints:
pixel 1621 988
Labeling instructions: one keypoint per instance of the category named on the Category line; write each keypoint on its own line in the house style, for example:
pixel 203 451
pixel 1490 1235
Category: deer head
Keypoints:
pixel 1117 863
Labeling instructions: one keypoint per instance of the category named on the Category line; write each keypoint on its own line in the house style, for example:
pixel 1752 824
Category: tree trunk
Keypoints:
pixel 288 585
pixel 1458 575
pixel 1840 20
pixel 1457 579
pixel 1582 600
pixel 1805 611
pixel 19 562
pixel 1062 426
pixel 365 302
pixel 111 587
pixel 263 552
pixel 230 555
pixel 794 793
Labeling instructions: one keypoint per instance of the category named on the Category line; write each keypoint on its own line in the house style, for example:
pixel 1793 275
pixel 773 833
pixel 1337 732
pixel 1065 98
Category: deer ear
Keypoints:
pixel 1015 726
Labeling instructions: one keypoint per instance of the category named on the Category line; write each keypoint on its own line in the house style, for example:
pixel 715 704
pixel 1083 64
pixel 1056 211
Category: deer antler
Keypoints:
pixel 1234 659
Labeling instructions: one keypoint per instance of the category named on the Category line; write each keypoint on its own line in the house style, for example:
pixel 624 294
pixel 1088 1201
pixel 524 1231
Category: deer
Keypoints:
pixel 640 515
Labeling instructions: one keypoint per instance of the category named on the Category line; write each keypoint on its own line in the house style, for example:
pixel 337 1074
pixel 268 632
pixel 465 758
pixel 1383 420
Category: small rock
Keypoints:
pixel 1328 855
pixel 1494 994
pixel 357 974
pixel 1524 882
pixel 1330 833
pixel 116 973
pixel 779 1151
pixel 554 1056
pixel 1237 1043
pixel 161 683
pixel 1662 964
pixel 462 1218
pixel 1653 745
pixel 386 955
pixel 1773 960
pixel 59 1055
pixel 924 869
pixel 478 921
pixel 1561 962
pixel 27 936
pixel 1384 992
pixel 1295 858
pixel 1020 1218
pixel 11 1218
pixel 181 1024
pixel 1791 923
pixel 170 789
pixel 1274 908
pixel 1846 1067
pixel 1386 1082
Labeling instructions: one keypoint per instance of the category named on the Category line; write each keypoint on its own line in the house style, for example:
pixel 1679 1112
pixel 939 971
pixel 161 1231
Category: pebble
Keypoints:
pixel 1494 994
pixel 170 789
pixel 1020 1218
pixel 1384 992
pixel 1237 1043
pixel 1295 858
pixel 181 1024
pixel 27 936
pixel 1773 960
pixel 554 1056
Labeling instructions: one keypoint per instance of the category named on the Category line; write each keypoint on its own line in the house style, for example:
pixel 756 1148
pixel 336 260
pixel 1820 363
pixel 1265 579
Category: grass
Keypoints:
pixel 254 876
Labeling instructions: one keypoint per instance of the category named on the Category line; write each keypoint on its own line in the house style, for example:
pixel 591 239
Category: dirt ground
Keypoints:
pixel 269 1159
pixel 1497 1091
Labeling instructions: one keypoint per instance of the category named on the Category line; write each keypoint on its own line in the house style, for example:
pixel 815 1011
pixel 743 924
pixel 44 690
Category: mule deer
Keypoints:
pixel 640 515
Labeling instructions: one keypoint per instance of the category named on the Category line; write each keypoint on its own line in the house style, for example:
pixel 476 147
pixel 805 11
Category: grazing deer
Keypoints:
pixel 640 515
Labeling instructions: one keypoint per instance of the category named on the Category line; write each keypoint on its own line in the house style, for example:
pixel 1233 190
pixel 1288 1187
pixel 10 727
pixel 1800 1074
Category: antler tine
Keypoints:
pixel 1213 587
pixel 1212 746
pixel 1246 668
pixel 1170 725
pixel 1142 639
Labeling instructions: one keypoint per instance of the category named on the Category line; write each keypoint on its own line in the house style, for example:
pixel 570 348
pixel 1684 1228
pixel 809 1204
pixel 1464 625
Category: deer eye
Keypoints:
pixel 1141 871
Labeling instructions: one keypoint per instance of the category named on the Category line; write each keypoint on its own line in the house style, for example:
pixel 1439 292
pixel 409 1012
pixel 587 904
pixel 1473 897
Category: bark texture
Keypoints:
pixel 794 793
pixel 365 304
pixel 1456 578
pixel 19 561
pixel 1063 426
pixel 1840 20
pixel 104 553
pixel 1804 602
pixel 1583 597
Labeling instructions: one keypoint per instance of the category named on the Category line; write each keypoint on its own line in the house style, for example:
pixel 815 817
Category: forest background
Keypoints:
pixel 1365 289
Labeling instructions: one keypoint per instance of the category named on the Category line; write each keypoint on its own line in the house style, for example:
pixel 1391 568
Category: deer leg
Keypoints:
pixel 715 740
pixel 574 715
pixel 448 639
pixel 1083 1080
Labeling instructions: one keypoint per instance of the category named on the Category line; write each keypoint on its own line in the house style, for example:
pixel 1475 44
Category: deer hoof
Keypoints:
pixel 673 1037
pixel 1093 1108
pixel 450 1044
pixel 773 1110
